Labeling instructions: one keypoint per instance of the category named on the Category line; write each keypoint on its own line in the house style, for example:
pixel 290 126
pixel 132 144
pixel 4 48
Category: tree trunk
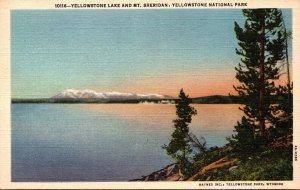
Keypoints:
pixel 261 111
pixel 287 59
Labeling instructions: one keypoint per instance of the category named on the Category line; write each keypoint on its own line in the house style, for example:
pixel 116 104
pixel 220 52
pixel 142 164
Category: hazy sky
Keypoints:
pixel 138 51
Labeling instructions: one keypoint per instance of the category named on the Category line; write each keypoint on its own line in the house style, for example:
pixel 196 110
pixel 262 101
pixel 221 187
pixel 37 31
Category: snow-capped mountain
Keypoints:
pixel 91 94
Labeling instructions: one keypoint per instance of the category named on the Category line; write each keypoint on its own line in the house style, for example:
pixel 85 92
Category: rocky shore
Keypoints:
pixel 168 173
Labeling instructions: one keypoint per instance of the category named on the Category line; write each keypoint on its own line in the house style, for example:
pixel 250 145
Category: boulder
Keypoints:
pixel 233 168
pixel 168 173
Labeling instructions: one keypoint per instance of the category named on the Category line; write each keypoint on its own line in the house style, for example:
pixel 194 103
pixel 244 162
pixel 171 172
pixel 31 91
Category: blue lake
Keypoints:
pixel 104 142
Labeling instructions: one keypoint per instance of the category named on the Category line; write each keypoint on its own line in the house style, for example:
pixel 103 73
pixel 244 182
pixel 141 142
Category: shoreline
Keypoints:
pixel 168 173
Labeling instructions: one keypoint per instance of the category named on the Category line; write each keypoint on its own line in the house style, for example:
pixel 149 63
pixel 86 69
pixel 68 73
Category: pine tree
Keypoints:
pixel 261 47
pixel 283 112
pixel 287 35
pixel 179 146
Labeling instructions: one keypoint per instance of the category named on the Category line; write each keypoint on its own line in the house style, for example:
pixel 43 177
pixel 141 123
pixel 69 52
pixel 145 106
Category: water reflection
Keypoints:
pixel 103 142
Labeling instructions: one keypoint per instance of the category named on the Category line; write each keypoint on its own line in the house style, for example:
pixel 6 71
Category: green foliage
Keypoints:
pixel 215 175
pixel 246 141
pixel 198 146
pixel 283 112
pixel 248 72
pixel 208 157
pixel 179 147
pixel 268 165
pixel 261 47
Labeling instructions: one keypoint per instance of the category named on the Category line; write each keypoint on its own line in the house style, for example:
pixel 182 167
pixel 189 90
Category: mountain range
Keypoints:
pixel 110 96
pixel 91 96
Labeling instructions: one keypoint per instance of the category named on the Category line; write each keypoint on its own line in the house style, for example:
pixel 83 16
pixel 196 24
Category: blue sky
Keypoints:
pixel 139 51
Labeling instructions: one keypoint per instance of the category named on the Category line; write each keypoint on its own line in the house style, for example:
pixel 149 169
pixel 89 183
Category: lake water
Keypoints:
pixel 104 142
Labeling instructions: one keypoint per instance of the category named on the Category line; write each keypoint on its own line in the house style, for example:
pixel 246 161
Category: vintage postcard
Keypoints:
pixel 149 94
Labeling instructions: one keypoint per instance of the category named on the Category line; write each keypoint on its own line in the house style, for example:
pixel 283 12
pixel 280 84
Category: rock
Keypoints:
pixel 175 177
pixel 233 168
pixel 172 169
pixel 168 173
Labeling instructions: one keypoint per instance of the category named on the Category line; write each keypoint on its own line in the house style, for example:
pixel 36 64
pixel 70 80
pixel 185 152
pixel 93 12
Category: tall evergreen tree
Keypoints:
pixel 179 146
pixel 287 35
pixel 261 47
pixel 283 113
